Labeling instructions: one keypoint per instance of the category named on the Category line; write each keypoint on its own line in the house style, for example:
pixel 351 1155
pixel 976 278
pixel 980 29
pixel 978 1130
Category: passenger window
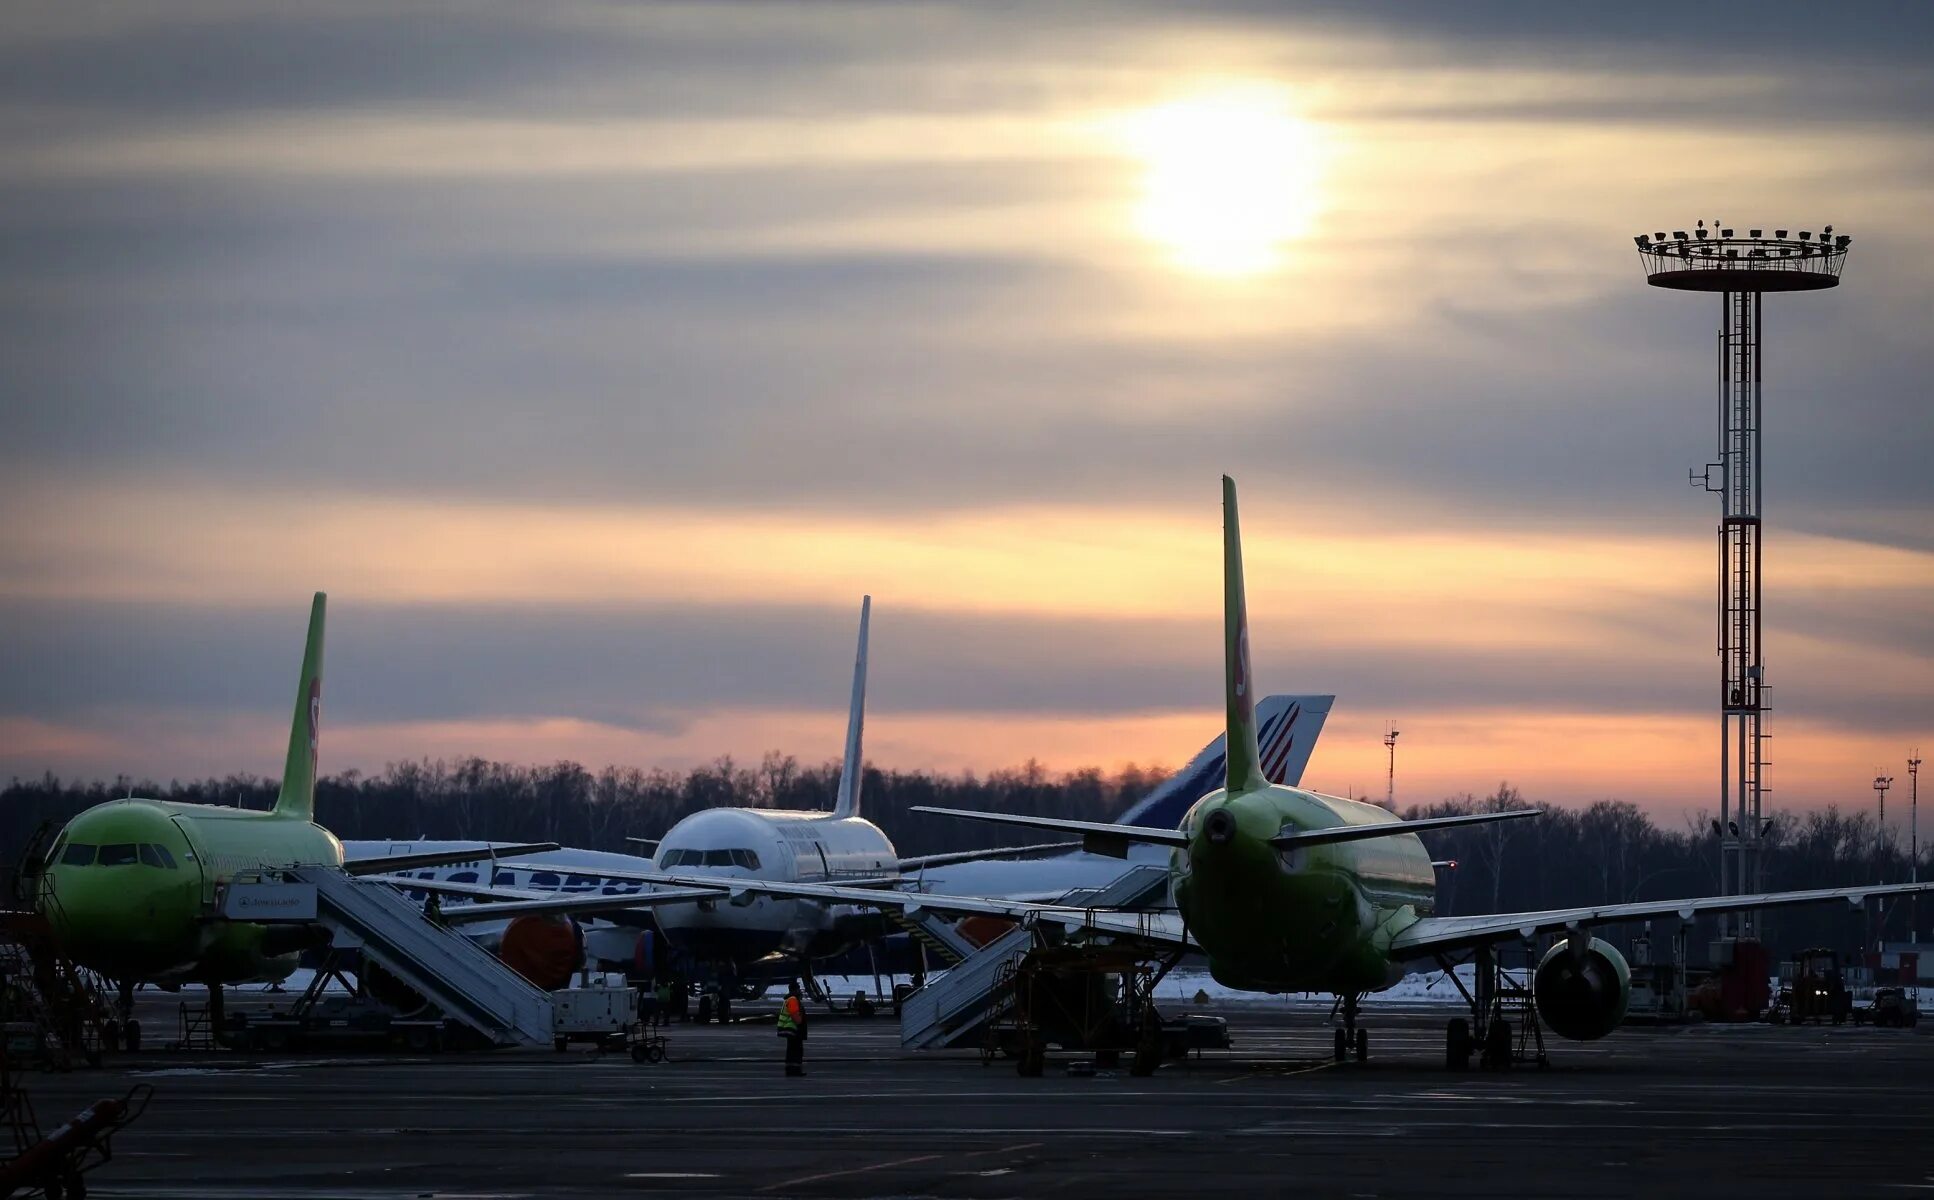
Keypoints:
pixel 148 856
pixel 77 855
pixel 121 854
pixel 463 877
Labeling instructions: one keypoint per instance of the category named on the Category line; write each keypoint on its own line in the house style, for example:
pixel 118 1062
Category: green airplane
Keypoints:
pixel 1289 890
pixel 132 888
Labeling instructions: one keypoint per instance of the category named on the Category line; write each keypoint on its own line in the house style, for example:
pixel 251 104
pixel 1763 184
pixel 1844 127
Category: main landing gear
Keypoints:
pixel 1502 1029
pixel 1351 1038
pixel 123 1032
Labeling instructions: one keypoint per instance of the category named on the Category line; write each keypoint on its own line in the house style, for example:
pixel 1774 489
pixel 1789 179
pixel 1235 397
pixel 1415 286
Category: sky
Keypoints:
pixel 596 359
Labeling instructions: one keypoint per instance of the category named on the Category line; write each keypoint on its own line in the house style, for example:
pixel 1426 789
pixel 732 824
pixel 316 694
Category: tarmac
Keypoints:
pixel 1706 1111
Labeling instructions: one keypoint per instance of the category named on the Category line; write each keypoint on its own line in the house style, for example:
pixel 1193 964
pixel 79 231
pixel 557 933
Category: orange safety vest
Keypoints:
pixel 791 1016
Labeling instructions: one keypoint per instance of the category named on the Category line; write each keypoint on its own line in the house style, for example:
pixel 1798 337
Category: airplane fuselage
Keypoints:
pixel 131 888
pixel 742 843
pixel 1318 918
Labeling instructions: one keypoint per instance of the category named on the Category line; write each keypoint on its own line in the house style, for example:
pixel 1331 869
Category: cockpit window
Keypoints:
pixel 746 859
pixel 78 855
pixel 121 854
pixel 679 858
pixel 148 856
pixel 718 858
pixel 167 859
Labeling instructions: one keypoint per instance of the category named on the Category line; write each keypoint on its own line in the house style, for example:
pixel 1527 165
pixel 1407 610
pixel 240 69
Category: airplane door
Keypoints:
pixel 825 872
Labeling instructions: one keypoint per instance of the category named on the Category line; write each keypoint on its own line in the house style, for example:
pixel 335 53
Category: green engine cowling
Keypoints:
pixel 1582 993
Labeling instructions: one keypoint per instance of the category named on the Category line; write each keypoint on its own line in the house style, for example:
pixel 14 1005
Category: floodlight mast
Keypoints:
pixel 1740 270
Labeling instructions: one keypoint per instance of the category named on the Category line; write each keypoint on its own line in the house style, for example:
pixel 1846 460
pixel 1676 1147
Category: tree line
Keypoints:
pixel 1606 852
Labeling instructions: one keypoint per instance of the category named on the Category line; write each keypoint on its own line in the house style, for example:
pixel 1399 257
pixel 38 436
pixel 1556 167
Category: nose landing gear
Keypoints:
pixel 1351 1039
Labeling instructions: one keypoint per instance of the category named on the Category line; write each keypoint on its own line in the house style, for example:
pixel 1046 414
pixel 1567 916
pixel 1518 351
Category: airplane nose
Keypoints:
pixel 1219 827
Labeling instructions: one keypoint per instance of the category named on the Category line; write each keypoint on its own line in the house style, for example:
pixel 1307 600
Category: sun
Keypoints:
pixel 1231 175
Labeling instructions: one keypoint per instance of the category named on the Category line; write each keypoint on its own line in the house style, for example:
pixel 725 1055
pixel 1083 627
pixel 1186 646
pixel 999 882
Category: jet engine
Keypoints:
pixel 1582 991
pixel 544 950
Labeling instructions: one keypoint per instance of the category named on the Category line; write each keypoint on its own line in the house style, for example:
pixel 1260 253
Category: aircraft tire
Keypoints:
pixel 1342 1045
pixel 131 1036
pixel 111 1034
pixel 1363 1045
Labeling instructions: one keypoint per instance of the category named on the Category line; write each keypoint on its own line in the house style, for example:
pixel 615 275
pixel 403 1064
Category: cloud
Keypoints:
pixel 598 357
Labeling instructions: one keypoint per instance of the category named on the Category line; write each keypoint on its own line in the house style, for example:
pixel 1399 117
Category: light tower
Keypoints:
pixel 1740 270
pixel 1390 780
pixel 1881 784
pixel 1914 842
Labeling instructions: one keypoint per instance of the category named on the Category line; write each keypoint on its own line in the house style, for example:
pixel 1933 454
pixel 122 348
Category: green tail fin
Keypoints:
pixel 298 797
pixel 1245 766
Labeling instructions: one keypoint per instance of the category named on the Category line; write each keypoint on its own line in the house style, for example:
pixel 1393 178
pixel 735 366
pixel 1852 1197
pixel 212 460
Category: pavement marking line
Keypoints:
pixel 898 1162
pixel 1284 1074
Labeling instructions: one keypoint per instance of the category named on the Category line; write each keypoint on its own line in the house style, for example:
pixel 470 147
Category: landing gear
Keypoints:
pixel 128 1035
pixel 1503 1026
pixel 1350 1039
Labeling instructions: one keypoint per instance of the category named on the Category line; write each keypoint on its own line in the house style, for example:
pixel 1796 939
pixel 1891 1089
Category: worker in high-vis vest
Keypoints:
pixel 792 1027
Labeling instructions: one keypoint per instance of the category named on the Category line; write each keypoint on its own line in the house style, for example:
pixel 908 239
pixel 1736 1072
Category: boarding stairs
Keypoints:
pixel 955 1007
pixel 462 979
pixel 937 933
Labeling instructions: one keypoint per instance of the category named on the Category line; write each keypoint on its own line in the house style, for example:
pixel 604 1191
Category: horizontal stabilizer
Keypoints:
pixel 648 845
pixel 1359 833
pixel 383 864
pixel 1097 837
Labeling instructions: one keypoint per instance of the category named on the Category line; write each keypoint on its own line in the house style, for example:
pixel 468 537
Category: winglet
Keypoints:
pixel 1245 767
pixel 298 796
pixel 847 803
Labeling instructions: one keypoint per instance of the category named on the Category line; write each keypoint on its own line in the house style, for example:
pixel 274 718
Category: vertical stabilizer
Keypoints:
pixel 1245 767
pixel 298 797
pixel 847 803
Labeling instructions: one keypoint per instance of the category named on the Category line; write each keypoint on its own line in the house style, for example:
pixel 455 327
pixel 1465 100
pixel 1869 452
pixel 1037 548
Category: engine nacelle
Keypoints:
pixel 1582 994
pixel 545 950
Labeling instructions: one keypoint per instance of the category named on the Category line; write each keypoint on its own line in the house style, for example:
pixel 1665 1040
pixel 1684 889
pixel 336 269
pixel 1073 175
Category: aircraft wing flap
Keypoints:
pixel 1434 935
pixel 383 864
pixel 1159 928
pixel 1097 837
pixel 570 904
pixel 506 902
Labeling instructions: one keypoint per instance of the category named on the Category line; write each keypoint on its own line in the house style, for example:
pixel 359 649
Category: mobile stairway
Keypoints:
pixel 955 1008
pixel 460 978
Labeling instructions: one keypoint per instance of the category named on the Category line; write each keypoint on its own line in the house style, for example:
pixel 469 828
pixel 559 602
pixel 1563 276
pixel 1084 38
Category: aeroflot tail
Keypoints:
pixel 1286 731
pixel 853 764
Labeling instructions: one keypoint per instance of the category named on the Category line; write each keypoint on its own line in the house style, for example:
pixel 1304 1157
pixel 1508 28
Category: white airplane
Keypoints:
pixel 734 935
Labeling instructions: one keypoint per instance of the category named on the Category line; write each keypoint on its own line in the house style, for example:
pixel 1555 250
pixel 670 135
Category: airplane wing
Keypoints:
pixel 1157 928
pixel 383 864
pixel 1097 837
pixel 1434 935
pixel 961 856
pixel 505 903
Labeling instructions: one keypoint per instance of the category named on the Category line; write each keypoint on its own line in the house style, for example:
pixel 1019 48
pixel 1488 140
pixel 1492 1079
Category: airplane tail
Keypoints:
pixel 847 803
pixel 298 795
pixel 1286 731
pixel 1244 758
